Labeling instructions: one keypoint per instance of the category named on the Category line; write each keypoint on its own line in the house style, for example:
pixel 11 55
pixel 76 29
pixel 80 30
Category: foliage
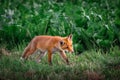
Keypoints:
pixel 94 24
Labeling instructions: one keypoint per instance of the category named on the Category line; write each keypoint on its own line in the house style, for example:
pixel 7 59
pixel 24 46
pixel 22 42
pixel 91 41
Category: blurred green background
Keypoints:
pixel 95 24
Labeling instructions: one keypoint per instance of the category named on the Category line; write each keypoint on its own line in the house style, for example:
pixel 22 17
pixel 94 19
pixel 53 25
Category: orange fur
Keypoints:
pixel 49 44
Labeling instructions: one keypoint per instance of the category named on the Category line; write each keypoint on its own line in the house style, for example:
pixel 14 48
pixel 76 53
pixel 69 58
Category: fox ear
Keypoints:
pixel 70 37
pixel 62 43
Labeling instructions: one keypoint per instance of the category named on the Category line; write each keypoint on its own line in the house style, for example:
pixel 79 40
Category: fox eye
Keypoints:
pixel 61 42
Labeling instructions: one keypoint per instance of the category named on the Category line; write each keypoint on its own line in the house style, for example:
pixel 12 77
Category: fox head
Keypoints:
pixel 66 43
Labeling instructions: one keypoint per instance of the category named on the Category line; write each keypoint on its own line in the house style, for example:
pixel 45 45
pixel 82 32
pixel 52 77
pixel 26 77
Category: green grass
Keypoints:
pixel 88 65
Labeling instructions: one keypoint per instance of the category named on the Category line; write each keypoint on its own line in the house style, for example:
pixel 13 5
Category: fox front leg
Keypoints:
pixel 50 57
pixel 63 55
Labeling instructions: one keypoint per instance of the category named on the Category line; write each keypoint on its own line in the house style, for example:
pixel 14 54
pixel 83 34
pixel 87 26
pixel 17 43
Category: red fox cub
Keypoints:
pixel 49 44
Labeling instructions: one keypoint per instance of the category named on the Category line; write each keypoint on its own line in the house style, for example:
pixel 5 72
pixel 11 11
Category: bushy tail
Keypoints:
pixel 26 50
pixel 29 50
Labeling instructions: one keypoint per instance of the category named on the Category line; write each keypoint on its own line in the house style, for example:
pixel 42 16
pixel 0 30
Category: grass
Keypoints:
pixel 88 65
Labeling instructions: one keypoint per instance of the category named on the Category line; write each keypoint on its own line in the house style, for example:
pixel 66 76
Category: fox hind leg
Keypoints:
pixel 38 59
